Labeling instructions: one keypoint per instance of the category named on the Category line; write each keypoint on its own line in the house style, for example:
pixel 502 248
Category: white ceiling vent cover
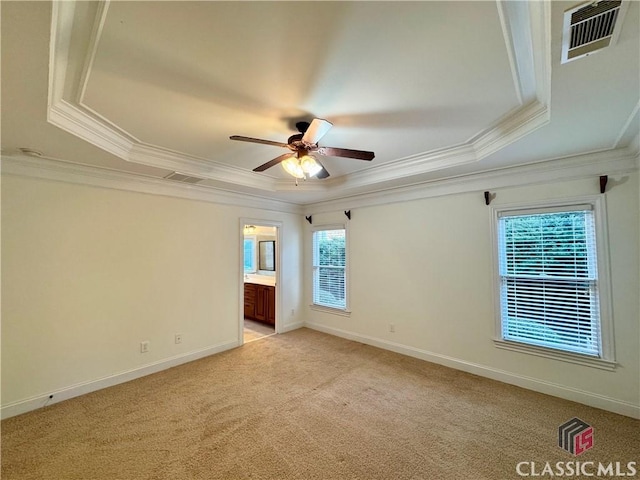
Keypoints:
pixel 178 177
pixel 590 27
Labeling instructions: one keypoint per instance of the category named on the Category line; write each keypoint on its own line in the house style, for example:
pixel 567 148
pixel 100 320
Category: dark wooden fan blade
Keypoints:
pixel 345 152
pixel 322 173
pixel 258 140
pixel 273 162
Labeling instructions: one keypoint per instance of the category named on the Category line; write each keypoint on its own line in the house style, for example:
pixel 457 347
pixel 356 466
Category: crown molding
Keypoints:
pixel 96 34
pixel 407 166
pixel 76 121
pixel 610 162
pixel 520 123
pixel 516 23
pixel 57 170
pixel 540 12
pixel 199 167
pixel 59 42
pixel 87 127
pixel 526 30
pixel 66 110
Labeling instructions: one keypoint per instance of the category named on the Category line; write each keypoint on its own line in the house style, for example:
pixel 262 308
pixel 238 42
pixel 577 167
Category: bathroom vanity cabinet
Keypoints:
pixel 260 303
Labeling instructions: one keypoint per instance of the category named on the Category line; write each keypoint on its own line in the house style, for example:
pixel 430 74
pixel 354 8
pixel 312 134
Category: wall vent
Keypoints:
pixel 179 177
pixel 590 27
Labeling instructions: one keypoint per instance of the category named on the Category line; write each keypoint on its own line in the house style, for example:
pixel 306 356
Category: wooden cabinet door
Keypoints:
pixel 249 300
pixel 261 303
pixel 271 305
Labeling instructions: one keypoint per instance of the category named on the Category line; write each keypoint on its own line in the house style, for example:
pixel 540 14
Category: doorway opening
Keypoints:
pixel 260 275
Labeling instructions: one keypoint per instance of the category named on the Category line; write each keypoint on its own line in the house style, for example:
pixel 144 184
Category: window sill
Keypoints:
pixel 556 354
pixel 334 311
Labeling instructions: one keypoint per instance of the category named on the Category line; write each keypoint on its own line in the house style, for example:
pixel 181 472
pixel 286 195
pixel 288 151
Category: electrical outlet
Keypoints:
pixel 178 338
pixel 392 328
pixel 144 346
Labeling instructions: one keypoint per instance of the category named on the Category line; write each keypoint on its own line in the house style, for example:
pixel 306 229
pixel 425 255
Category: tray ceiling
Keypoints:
pixel 433 88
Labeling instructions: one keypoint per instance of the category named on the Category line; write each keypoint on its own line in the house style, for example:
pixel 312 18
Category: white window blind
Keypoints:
pixel 549 280
pixel 329 274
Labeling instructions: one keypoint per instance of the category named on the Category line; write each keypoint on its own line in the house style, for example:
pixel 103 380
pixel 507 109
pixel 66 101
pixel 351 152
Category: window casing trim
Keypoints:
pixel 598 204
pixel 562 355
pixel 323 308
pixel 332 310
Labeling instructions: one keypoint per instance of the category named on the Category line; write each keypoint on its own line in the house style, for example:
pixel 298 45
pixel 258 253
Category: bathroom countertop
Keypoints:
pixel 260 279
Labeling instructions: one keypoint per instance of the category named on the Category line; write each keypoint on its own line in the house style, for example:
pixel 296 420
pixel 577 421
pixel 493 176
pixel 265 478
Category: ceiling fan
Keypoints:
pixel 299 163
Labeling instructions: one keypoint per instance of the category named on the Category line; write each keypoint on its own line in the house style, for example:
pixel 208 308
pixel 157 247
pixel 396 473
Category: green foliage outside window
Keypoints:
pixel 548 280
pixel 331 251
pixel 330 262
pixel 549 244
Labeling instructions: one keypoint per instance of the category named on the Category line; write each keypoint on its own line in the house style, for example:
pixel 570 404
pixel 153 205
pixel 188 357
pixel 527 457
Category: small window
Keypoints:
pixel 549 284
pixel 329 268
pixel 249 254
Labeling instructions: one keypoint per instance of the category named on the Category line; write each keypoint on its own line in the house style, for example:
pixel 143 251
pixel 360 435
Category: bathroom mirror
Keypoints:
pixel 267 255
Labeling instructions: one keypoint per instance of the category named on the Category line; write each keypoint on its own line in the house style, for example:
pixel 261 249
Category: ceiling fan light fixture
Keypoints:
pixel 300 164
pixel 309 165
pixel 292 166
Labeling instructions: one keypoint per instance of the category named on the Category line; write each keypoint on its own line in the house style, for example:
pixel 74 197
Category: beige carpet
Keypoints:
pixel 304 405
pixel 254 330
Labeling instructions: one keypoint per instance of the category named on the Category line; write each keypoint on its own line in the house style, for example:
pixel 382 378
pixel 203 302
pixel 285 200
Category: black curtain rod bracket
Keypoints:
pixel 348 214
pixel 603 183
pixel 487 198
pixel 309 219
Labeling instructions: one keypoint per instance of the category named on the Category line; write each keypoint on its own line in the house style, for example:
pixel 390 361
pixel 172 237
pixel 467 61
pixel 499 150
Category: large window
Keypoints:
pixel 329 268
pixel 549 282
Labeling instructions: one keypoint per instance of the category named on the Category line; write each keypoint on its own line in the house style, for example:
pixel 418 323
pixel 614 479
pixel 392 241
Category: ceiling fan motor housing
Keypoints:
pixel 302 126
pixel 295 138
pixel 301 144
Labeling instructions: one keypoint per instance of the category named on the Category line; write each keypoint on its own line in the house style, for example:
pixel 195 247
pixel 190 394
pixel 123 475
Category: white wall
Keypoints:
pixel 427 267
pixel 88 273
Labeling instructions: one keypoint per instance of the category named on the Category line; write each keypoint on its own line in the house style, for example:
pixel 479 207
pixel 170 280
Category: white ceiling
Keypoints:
pixel 435 89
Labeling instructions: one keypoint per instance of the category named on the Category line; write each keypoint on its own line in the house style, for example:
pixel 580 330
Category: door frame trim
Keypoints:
pixel 258 223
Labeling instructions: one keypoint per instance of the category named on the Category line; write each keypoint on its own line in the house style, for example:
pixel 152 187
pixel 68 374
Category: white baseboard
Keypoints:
pixel 561 391
pixel 39 401
pixel 290 327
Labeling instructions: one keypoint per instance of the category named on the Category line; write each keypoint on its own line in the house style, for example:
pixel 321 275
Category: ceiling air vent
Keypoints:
pixel 178 177
pixel 590 27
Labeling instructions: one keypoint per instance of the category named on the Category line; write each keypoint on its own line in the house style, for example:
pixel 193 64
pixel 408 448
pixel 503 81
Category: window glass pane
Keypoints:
pixel 249 255
pixel 329 261
pixel 548 275
pixel 331 247
pixel 549 244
